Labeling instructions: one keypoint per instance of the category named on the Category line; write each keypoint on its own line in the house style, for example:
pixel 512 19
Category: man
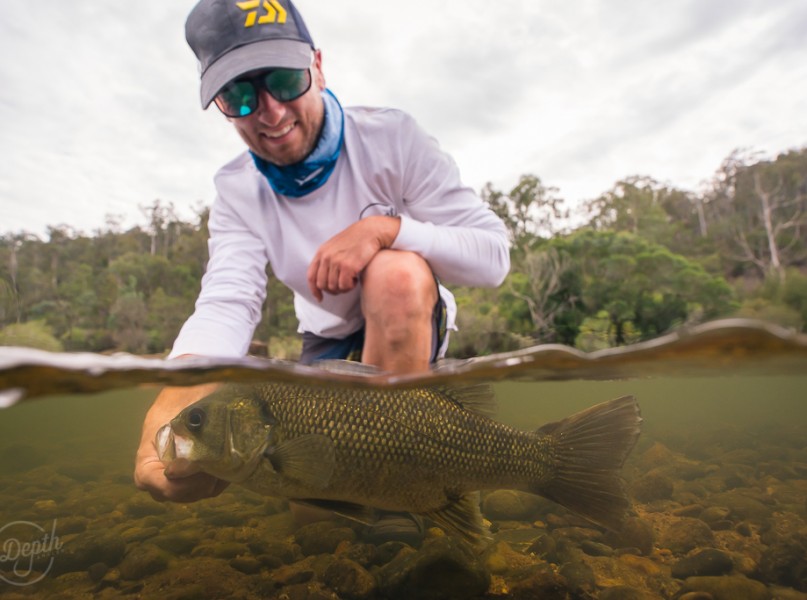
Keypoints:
pixel 357 210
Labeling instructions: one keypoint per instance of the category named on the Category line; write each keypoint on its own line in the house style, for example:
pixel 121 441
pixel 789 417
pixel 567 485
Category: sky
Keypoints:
pixel 100 113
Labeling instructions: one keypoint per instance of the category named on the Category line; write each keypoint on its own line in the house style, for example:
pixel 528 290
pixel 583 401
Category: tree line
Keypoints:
pixel 642 259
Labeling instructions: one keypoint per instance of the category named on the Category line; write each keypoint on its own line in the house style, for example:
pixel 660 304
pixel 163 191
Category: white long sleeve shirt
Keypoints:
pixel 388 166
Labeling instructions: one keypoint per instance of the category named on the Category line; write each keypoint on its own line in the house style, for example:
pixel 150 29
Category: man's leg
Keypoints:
pixel 398 297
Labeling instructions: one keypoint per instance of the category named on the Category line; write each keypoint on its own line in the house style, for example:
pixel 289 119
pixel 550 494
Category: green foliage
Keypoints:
pixel 288 347
pixel 598 333
pixel 481 326
pixel 794 294
pixel 127 321
pixel 113 291
pixel 760 308
pixel 33 334
pixel 641 287
pixel 781 300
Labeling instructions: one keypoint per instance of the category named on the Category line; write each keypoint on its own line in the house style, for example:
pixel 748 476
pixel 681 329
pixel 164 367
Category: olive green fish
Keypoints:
pixel 423 450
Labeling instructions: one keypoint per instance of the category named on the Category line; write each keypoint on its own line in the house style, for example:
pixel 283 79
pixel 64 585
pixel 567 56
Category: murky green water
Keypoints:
pixel 718 479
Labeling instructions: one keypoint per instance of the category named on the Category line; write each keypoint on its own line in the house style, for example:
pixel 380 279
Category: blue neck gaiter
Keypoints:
pixel 310 174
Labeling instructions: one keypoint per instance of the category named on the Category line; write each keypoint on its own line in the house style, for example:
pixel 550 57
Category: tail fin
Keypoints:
pixel 590 448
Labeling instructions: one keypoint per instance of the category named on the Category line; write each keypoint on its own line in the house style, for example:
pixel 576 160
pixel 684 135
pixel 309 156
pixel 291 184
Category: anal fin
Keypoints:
pixel 463 517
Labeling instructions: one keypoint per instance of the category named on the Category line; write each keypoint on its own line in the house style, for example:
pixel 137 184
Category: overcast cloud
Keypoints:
pixel 99 108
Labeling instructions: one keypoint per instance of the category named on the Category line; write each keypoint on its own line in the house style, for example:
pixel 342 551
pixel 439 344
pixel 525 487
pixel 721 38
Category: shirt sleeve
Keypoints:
pixel 233 289
pixel 446 222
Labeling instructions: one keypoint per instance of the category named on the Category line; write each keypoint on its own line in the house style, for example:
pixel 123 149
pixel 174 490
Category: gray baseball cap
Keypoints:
pixel 231 37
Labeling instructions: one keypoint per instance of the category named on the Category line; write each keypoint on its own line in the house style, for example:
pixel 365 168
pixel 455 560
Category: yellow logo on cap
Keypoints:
pixel 274 12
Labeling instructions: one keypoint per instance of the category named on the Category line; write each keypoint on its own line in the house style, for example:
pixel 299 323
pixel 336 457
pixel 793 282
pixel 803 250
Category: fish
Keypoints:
pixel 424 450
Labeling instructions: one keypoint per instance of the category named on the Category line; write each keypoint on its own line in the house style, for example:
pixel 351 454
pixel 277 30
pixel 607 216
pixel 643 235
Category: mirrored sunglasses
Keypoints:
pixel 240 97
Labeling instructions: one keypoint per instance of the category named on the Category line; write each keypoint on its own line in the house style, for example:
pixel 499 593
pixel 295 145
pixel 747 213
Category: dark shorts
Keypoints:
pixel 349 348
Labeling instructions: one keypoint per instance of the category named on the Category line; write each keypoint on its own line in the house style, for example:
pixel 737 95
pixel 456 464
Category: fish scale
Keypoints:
pixel 428 433
pixel 421 450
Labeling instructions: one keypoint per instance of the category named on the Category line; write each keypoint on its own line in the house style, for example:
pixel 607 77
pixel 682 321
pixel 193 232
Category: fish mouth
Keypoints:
pixel 175 453
pixel 164 442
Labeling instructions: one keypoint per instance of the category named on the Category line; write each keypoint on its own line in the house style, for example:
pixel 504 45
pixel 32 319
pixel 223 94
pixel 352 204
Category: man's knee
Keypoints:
pixel 398 282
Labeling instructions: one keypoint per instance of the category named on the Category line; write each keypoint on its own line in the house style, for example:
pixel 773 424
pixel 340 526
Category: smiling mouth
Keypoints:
pixel 280 132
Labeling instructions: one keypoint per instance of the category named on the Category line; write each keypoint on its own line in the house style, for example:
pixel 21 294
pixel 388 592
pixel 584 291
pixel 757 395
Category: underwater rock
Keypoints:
pixel 139 534
pixel 68 525
pixel 246 564
pixel 624 592
pixel 689 510
pixel 635 533
pixel 45 508
pixel 306 591
pixel 686 534
pixel 510 505
pixel 142 505
pixel 519 535
pixel 540 581
pixel 714 514
pixel 88 548
pixel 641 564
pixel 443 568
pixel 322 537
pixel 501 558
pixel 544 547
pixel 221 550
pixel 745 528
pixel 742 504
pixel 781 593
pixel 363 554
pixel 198 579
pixel 781 527
pixel 282 552
pixel 596 548
pixel 300 572
pixel 706 562
pixel 652 486
pixel 97 571
pixel 696 596
pixel 192 591
pixel 658 455
pixel 727 587
pixel 785 562
pixel 387 551
pixel 142 561
pixel 223 518
pixel 350 580
pixel 579 577
pixel 177 543
pixel 577 534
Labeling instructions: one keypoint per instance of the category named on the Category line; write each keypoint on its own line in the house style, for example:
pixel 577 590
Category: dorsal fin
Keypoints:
pixel 477 398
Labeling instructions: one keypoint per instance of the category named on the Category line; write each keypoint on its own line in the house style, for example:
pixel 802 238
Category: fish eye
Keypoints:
pixel 196 419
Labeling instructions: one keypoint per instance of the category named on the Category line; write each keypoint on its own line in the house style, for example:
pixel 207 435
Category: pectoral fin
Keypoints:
pixel 354 512
pixel 308 459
